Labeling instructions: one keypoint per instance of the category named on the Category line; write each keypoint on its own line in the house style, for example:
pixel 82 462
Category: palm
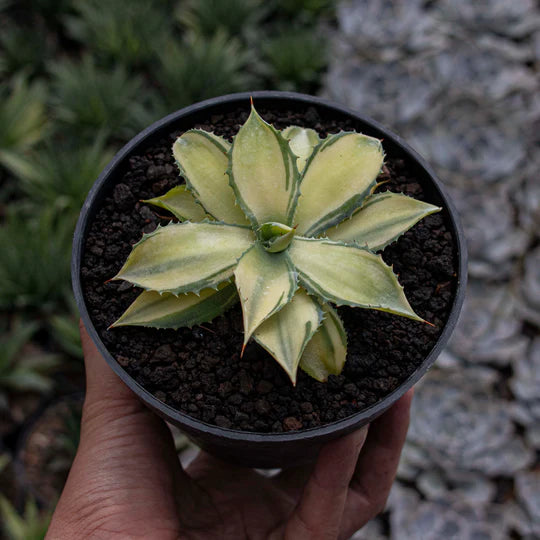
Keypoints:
pixel 233 502
pixel 127 481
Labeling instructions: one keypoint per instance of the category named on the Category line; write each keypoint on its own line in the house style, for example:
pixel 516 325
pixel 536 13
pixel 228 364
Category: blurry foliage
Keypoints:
pixel 23 50
pixel 306 7
pixel 118 31
pixel 34 267
pixel 89 100
pixel 5 460
pixel 48 448
pixel 23 117
pixel 59 176
pixel 208 17
pixel 23 371
pixel 294 58
pixel 51 11
pixel 32 525
pixel 67 442
pixel 201 68
pixel 65 329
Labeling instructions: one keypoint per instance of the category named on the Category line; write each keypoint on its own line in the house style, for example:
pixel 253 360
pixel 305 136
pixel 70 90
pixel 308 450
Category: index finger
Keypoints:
pixel 320 509
pixel 377 466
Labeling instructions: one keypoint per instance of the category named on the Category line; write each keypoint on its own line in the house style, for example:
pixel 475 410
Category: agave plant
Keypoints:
pixel 269 213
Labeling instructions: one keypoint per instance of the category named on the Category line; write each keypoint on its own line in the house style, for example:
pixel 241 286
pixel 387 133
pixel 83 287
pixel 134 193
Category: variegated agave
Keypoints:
pixel 264 219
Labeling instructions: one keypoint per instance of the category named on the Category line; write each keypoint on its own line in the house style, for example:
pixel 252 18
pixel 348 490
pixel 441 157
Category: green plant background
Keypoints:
pixel 79 78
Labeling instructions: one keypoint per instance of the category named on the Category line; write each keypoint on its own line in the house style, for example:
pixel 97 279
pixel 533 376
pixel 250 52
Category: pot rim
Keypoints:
pixel 345 425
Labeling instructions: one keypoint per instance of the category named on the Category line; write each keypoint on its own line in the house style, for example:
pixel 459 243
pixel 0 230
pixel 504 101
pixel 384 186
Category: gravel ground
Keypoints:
pixel 459 81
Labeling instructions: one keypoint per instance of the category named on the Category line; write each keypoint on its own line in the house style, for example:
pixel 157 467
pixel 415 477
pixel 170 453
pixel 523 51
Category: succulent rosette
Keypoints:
pixel 286 223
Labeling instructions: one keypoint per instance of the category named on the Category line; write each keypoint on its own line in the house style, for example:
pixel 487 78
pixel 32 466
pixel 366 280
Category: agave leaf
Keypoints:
pixel 338 176
pixel 275 237
pixel 302 142
pixel 186 257
pixel 326 351
pixel 263 172
pixel 180 202
pixel 355 277
pixel 382 220
pixel 166 310
pixel 286 334
pixel 265 282
pixel 202 160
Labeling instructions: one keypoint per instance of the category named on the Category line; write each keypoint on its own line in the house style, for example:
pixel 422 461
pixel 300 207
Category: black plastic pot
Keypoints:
pixel 266 449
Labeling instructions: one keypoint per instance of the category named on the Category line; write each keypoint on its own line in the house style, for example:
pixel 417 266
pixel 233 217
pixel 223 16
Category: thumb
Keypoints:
pixel 320 509
pixel 102 384
pixel 126 469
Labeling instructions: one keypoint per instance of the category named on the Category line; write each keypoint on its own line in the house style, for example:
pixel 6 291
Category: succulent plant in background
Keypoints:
pixel 23 51
pixel 64 327
pixel 45 176
pixel 294 58
pixel 32 525
pixel 269 212
pixel 67 439
pixel 198 68
pixel 514 19
pixel 40 245
pixel 88 98
pixel 23 118
pixel 208 17
pixel 23 372
pixel 119 32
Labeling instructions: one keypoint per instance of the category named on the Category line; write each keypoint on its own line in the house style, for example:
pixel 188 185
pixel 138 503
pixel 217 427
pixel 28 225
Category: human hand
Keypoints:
pixel 127 481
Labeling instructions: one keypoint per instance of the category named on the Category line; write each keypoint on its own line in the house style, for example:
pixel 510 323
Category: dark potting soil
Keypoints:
pixel 199 371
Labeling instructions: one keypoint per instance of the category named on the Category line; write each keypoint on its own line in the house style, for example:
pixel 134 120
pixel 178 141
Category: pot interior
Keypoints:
pixel 274 445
